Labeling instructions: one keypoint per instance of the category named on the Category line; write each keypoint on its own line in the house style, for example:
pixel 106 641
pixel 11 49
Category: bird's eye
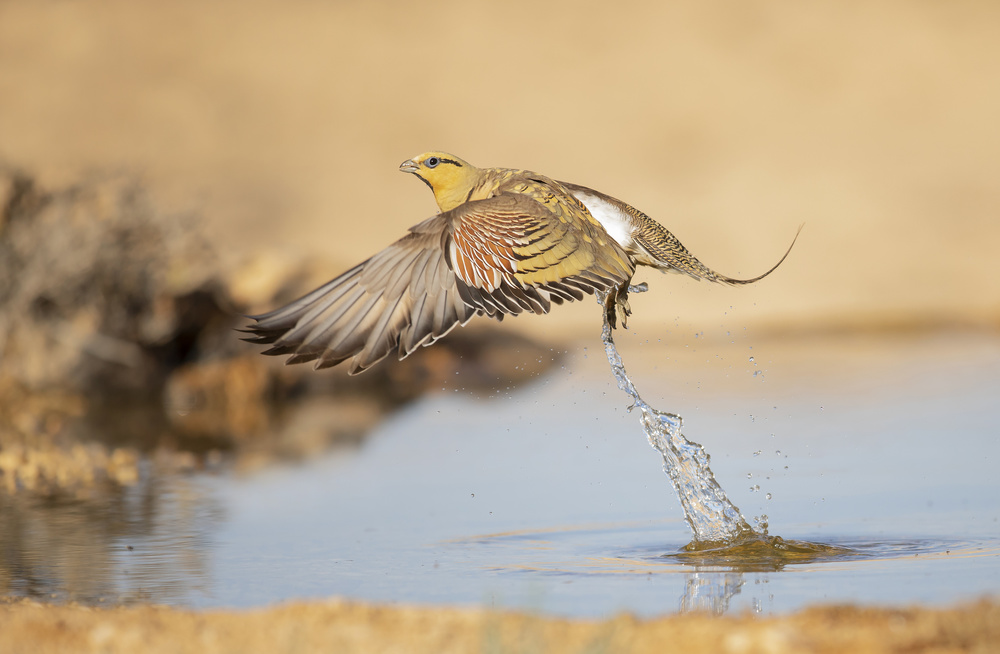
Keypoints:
pixel 432 162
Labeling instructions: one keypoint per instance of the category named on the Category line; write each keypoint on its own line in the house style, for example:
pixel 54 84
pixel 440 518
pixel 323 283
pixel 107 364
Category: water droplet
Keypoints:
pixel 757 453
pixel 749 475
pixel 751 359
pixel 777 452
pixel 768 496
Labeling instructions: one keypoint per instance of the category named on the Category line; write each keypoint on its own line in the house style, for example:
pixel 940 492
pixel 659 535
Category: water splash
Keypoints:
pixel 710 514
pixel 722 536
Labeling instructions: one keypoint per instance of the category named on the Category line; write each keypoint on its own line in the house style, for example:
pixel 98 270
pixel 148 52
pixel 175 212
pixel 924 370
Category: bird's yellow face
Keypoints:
pixel 449 177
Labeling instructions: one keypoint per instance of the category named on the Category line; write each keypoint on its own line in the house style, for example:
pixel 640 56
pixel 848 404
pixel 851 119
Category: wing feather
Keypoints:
pixel 403 297
pixel 515 254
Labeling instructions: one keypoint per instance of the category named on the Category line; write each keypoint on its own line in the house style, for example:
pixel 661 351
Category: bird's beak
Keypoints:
pixel 409 166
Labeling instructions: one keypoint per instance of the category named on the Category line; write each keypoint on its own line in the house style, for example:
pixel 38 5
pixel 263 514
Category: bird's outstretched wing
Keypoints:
pixel 498 256
pixel 403 297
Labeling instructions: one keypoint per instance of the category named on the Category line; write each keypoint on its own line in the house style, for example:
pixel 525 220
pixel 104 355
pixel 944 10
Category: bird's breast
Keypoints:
pixel 615 222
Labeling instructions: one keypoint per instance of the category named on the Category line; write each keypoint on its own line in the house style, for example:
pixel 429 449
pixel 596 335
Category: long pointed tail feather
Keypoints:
pixel 664 251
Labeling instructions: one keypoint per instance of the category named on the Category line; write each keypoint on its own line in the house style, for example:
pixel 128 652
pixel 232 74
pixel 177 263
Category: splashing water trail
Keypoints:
pixel 712 517
pixel 721 533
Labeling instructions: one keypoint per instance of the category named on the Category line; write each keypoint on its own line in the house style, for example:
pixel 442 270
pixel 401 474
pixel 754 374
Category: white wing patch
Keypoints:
pixel 615 221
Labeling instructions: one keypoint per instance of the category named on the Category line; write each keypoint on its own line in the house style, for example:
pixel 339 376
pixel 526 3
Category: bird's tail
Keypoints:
pixel 664 251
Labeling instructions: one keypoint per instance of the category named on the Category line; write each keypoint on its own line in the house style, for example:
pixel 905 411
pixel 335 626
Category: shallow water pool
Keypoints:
pixel 549 498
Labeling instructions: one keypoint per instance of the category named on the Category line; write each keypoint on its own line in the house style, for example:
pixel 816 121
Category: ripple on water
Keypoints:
pixel 589 550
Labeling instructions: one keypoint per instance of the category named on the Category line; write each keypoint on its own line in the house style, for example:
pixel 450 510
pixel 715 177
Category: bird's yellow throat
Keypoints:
pixel 450 178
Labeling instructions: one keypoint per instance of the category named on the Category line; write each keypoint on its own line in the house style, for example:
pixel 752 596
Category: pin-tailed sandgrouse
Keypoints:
pixel 506 241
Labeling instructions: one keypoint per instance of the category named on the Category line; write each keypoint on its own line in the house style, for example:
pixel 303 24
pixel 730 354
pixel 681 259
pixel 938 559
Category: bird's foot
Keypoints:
pixel 618 307
pixel 616 304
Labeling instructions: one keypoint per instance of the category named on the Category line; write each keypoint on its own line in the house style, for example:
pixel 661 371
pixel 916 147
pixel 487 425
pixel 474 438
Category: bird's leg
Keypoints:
pixel 624 308
pixel 616 303
pixel 610 302
pixel 622 305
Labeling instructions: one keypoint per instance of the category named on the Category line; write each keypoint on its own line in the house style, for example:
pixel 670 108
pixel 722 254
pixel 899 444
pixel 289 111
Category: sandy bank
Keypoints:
pixel 343 627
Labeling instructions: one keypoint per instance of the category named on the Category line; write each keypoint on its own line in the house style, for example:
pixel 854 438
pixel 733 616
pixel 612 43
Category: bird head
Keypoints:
pixel 449 177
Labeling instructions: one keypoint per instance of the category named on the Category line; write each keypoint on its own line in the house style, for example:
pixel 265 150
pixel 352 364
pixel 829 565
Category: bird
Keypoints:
pixel 506 241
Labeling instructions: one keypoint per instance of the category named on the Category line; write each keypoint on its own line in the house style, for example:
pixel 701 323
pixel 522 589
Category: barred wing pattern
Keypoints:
pixel 513 254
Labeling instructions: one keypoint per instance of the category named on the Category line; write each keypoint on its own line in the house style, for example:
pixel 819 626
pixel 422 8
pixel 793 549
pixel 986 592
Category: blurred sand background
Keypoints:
pixel 282 124
pixel 731 123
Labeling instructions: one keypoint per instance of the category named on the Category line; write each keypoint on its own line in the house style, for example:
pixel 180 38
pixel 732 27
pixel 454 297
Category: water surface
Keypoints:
pixel 549 497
